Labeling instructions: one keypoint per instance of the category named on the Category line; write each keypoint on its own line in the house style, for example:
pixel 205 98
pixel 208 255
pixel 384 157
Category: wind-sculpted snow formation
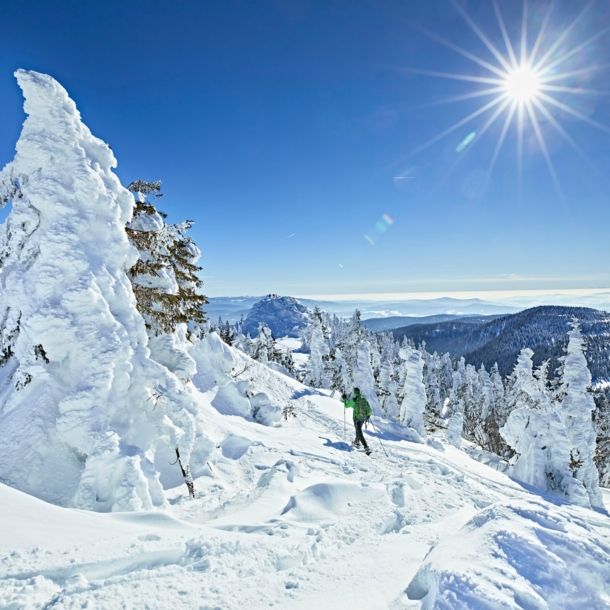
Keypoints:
pixel 85 414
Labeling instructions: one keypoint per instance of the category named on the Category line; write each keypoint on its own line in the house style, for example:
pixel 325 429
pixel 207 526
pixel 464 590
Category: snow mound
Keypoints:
pixel 285 316
pixel 326 500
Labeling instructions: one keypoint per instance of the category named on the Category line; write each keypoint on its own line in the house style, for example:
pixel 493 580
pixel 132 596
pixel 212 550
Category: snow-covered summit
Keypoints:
pixel 286 316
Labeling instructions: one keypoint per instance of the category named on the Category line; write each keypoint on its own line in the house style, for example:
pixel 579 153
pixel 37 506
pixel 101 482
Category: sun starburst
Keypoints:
pixel 523 81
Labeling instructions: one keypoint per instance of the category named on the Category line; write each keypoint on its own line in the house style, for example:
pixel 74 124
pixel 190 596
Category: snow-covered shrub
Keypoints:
pixel 263 411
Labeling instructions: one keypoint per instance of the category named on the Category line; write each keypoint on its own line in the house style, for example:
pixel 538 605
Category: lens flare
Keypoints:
pixel 464 143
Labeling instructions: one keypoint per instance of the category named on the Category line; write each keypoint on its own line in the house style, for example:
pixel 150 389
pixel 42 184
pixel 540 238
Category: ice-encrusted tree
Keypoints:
pixel 264 348
pixel 339 373
pixel 453 431
pixel 363 377
pixel 433 415
pixel 78 421
pixel 536 432
pixel 577 408
pixel 315 370
pixel 414 392
pixel 602 424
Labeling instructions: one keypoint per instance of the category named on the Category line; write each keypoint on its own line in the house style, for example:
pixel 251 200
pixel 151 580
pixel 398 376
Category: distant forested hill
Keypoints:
pixel 543 329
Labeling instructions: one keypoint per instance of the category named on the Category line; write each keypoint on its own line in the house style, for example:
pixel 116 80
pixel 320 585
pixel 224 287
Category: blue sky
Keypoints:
pixel 286 129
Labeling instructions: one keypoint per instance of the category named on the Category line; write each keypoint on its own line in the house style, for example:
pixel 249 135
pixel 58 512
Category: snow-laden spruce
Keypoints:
pixel 86 417
pixel 364 379
pixel 576 408
pixel 414 401
pixel 536 432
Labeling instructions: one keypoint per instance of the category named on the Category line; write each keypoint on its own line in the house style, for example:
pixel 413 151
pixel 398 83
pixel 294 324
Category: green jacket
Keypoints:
pixel 362 409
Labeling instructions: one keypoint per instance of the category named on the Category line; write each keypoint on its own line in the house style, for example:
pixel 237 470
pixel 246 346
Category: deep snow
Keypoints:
pixel 289 517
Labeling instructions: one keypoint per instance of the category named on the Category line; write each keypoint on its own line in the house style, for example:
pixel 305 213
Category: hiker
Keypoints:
pixel 362 412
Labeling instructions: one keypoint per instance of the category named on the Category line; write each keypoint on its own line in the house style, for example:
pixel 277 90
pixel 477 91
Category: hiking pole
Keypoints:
pixel 344 424
pixel 377 431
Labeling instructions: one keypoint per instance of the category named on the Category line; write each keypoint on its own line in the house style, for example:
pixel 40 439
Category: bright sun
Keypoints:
pixel 522 84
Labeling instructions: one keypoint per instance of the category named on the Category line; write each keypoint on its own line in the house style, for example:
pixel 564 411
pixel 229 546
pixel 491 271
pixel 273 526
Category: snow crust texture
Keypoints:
pixel 77 423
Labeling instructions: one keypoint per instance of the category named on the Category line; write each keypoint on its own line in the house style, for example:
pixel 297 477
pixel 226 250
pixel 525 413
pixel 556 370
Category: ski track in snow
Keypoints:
pixel 290 517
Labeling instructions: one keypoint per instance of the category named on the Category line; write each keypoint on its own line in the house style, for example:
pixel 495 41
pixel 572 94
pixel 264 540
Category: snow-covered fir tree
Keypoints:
pixel 338 372
pixel 537 434
pixel 414 392
pixel 315 371
pixel 602 445
pixel 363 377
pixel 264 348
pixel 164 277
pixel 577 408
pixel 81 417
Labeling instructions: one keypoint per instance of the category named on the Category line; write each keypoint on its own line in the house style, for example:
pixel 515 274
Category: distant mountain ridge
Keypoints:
pixel 543 329
pixel 233 308
pixel 395 322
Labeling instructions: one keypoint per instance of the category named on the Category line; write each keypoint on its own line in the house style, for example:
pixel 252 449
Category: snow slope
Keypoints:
pixel 290 517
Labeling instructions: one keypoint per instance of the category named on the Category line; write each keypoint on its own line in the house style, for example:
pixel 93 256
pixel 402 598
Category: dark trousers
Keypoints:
pixel 359 436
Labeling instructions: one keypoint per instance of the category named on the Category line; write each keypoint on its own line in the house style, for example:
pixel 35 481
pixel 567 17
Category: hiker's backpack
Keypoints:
pixel 362 409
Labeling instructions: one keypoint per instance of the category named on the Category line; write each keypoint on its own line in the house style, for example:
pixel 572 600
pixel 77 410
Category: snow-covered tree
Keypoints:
pixel 577 409
pixel 86 417
pixel 414 392
pixel 453 432
pixel 315 370
pixel 339 373
pixel 602 424
pixel 433 415
pixel 536 432
pixel 164 277
pixel 363 377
